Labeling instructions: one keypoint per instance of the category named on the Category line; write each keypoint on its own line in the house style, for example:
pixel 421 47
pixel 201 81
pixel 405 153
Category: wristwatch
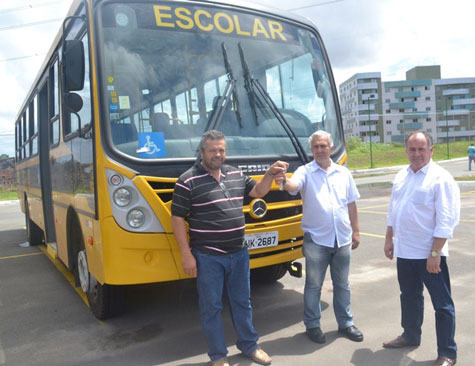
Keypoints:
pixel 435 253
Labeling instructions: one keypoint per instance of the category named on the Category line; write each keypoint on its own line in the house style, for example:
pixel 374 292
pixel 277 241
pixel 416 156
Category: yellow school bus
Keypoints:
pixel 116 113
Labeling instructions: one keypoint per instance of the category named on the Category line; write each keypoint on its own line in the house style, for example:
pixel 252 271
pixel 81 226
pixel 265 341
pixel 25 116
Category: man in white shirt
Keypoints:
pixel 330 223
pixel 423 213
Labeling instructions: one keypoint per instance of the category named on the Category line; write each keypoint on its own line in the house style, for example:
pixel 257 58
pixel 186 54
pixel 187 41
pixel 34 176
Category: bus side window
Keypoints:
pixel 31 127
pixel 34 141
pixel 17 141
pixel 26 140
pixel 54 103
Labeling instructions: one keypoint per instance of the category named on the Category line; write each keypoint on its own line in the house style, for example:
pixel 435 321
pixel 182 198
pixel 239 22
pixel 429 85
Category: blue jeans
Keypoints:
pixel 412 276
pixel 317 259
pixel 470 159
pixel 230 272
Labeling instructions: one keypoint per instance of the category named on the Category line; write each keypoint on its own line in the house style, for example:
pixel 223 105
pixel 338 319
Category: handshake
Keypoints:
pixel 278 171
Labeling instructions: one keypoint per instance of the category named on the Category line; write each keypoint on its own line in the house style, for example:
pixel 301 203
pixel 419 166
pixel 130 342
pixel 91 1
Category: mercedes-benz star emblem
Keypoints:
pixel 258 208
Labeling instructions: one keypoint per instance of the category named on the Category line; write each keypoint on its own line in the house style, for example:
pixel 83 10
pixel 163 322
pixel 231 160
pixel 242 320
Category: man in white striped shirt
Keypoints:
pixel 423 213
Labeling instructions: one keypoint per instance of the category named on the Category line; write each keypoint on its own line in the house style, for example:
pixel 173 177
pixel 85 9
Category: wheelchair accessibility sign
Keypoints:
pixel 151 145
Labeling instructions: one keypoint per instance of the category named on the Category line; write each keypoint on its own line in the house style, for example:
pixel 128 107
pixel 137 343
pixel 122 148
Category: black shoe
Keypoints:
pixel 316 335
pixel 352 333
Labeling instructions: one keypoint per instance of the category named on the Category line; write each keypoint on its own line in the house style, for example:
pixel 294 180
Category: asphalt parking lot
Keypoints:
pixel 43 320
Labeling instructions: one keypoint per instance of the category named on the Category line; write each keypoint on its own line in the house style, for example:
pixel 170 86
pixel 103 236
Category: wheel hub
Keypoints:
pixel 83 271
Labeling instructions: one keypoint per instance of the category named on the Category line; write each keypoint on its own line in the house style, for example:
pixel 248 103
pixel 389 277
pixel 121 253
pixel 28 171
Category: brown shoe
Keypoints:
pixel 444 361
pixel 399 342
pixel 220 362
pixel 260 357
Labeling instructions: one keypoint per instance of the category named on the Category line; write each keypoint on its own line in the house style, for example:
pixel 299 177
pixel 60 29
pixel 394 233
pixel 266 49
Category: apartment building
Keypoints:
pixel 455 106
pixel 360 105
pixel 445 108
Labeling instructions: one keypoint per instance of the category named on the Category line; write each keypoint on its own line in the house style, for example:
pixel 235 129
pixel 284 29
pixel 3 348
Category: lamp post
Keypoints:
pixel 371 96
pixel 447 126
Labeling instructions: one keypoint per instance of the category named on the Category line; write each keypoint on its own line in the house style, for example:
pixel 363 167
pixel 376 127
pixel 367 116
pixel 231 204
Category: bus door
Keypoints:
pixel 45 171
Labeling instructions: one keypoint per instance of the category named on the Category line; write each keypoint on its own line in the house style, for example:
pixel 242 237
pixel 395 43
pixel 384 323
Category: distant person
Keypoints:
pixel 330 224
pixel 423 213
pixel 209 196
pixel 471 156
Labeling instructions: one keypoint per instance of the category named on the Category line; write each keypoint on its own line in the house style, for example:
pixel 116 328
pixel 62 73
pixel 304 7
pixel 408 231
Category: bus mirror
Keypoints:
pixel 73 65
pixel 73 101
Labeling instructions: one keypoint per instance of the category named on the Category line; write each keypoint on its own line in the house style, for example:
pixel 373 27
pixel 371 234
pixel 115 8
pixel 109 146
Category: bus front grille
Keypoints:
pixel 164 191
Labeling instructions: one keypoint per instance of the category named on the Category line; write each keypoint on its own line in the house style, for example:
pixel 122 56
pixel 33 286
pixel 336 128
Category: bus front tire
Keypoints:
pixel 105 301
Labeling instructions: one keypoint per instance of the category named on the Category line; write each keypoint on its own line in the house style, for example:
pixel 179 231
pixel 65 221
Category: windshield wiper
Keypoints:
pixel 229 70
pixel 248 84
pixel 259 96
pixel 223 100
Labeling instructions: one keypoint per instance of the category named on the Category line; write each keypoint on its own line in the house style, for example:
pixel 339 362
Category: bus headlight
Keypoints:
pixel 131 211
pixel 122 197
pixel 135 218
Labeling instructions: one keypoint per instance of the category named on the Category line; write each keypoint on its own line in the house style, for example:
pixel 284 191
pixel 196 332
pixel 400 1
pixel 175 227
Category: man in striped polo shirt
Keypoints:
pixel 209 196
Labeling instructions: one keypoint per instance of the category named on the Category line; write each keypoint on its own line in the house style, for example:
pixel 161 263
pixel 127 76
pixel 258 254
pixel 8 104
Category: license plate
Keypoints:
pixel 261 240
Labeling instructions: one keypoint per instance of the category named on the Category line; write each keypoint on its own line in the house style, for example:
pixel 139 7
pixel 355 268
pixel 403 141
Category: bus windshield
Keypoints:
pixel 174 70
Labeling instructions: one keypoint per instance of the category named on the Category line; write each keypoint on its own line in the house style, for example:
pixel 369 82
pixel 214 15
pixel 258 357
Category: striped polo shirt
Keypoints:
pixel 213 210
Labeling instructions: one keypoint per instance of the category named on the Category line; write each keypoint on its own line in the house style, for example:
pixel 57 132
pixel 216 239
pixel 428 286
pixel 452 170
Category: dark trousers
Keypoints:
pixel 412 276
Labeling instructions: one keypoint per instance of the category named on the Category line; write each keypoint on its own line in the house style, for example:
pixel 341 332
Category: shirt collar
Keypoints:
pixel 423 170
pixel 201 169
pixel 314 166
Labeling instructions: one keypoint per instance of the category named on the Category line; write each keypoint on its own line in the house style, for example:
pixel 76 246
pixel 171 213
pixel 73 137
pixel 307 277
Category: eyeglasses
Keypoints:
pixel 225 191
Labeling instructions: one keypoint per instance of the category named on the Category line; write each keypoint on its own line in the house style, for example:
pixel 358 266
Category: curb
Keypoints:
pixel 397 167
pixel 8 203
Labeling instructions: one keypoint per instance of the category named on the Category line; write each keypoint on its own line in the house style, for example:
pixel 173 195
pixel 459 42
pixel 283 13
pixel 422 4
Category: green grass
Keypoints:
pixel 7 195
pixel 393 154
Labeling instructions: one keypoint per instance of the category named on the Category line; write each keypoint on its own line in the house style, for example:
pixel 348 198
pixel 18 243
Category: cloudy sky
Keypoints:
pixel 387 36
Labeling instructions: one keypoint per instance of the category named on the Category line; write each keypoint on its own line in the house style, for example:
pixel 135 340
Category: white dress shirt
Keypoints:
pixel 423 205
pixel 326 196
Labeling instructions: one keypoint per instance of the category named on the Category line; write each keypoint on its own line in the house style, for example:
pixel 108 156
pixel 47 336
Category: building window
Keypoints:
pixel 429 130
pixel 389 133
pixel 414 120
pixel 388 111
pixel 426 88
pixel 427 108
pixel 388 122
pixel 428 119
pixel 427 98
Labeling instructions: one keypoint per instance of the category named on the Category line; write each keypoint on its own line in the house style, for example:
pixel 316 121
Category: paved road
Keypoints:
pixel 43 321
